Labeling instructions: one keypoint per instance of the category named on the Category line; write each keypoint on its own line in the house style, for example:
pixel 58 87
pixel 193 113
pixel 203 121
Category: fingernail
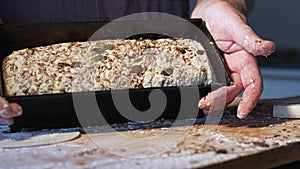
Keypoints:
pixel 241 115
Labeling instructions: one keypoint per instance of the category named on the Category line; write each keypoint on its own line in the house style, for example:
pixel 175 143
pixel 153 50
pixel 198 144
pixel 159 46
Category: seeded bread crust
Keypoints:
pixel 105 65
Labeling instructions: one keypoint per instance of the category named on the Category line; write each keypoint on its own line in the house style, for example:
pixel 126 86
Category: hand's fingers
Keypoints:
pixel 6 122
pixel 245 74
pixel 234 28
pixel 245 64
pixel 9 110
pixel 4 108
pixel 219 98
pixel 16 110
pixel 253 85
pixel 243 35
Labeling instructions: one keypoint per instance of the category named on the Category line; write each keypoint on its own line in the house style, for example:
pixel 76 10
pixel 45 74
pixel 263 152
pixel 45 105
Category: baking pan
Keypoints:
pixel 58 110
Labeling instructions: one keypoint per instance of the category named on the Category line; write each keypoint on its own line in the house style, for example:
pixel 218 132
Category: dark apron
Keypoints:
pixel 58 11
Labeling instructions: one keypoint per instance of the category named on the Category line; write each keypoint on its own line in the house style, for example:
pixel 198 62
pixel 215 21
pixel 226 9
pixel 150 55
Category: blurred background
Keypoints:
pixel 279 21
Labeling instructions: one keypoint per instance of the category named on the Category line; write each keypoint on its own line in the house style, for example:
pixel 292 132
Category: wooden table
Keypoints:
pixel 260 141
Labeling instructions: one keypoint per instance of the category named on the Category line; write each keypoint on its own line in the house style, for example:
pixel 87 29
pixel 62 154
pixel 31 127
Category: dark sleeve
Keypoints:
pixel 175 7
pixel 40 11
pixel 49 11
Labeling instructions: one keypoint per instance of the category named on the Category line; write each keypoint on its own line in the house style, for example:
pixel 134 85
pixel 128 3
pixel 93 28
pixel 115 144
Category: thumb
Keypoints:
pixel 247 39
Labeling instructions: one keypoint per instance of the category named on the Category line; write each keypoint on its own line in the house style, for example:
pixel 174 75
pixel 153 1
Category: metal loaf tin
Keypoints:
pixel 57 110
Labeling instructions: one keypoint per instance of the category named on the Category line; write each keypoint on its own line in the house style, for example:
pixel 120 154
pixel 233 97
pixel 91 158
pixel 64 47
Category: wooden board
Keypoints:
pixel 287 111
pixel 259 141
pixel 37 138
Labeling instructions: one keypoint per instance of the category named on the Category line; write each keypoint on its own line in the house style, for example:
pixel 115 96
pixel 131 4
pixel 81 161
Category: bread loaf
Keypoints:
pixel 105 65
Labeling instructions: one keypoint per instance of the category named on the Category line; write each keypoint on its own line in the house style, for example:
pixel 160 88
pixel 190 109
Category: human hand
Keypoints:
pixel 8 111
pixel 240 45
